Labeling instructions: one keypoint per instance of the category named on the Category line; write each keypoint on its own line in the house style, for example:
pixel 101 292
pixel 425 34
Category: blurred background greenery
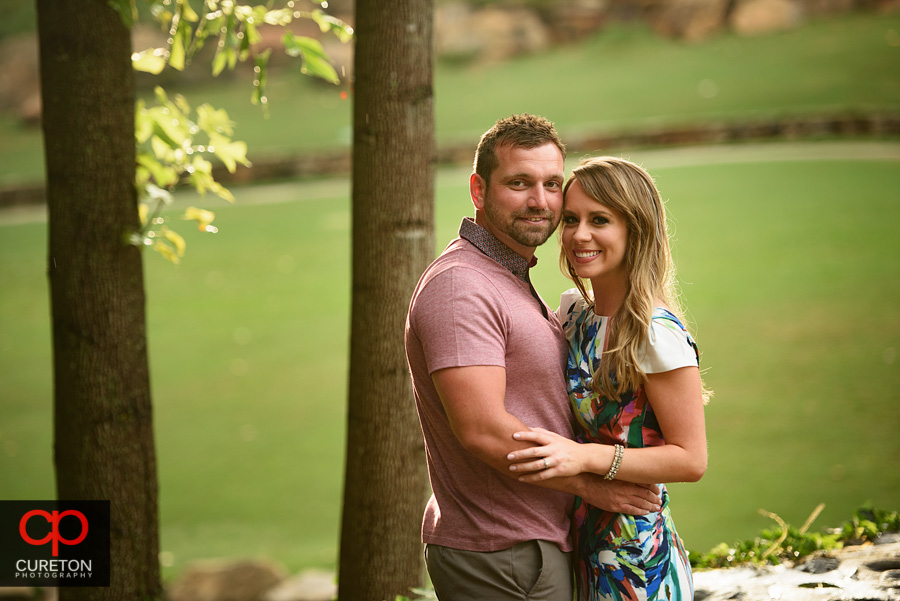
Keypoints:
pixel 787 256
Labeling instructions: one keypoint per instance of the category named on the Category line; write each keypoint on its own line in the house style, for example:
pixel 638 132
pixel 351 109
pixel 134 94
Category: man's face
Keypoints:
pixel 523 201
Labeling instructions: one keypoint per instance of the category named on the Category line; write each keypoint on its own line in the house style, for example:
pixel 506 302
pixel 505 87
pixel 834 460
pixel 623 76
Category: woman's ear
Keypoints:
pixel 477 190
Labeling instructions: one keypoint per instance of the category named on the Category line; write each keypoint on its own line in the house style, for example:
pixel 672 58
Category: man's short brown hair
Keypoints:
pixel 525 131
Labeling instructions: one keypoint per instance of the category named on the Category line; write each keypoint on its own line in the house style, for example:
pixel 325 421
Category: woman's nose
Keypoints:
pixel 582 232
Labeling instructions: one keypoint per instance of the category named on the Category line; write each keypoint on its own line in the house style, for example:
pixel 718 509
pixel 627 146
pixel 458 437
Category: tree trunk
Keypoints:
pixel 393 243
pixel 103 432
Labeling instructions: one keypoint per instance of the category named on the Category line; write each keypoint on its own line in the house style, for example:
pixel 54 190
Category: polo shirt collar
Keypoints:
pixel 487 243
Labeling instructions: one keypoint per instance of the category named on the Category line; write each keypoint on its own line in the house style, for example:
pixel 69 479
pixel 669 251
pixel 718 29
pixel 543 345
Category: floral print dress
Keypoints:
pixel 618 556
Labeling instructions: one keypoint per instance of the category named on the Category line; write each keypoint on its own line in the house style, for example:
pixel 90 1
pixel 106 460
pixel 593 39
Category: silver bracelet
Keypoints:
pixel 616 463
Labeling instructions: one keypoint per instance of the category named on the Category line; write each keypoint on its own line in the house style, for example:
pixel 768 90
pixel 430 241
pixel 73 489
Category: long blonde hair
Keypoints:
pixel 629 189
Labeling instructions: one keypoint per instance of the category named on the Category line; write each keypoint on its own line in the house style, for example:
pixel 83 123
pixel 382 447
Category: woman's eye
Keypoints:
pixel 601 220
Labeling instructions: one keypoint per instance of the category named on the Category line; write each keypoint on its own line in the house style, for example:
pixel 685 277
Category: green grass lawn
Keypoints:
pixel 623 78
pixel 789 269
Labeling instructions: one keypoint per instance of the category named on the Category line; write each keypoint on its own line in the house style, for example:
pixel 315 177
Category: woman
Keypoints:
pixel 633 380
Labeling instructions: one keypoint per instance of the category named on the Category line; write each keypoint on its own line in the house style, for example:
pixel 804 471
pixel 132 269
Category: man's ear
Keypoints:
pixel 477 190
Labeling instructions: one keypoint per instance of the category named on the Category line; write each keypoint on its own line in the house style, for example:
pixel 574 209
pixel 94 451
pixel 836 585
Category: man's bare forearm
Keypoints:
pixel 610 495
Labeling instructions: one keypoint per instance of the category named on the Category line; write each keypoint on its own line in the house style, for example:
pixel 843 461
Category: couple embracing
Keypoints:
pixel 547 432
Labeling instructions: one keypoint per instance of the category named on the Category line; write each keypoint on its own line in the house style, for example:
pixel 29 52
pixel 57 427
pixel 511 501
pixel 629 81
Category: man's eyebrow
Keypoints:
pixel 556 177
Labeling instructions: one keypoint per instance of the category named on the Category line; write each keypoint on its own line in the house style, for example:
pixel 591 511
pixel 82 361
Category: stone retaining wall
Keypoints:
pixel 850 125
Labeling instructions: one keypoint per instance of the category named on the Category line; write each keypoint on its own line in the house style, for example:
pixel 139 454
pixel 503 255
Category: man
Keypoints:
pixel 487 357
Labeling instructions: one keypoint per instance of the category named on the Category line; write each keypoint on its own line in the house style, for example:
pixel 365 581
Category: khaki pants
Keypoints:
pixel 531 571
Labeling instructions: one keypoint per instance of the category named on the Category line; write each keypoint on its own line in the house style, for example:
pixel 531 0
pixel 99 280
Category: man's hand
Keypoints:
pixel 619 496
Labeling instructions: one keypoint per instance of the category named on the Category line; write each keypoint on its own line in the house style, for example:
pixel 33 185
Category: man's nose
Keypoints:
pixel 538 198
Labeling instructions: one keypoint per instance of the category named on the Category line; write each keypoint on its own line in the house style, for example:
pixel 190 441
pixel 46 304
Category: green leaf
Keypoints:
pixel 231 40
pixel 143 124
pixel 203 217
pixel 166 251
pixel 176 53
pixel 327 23
pixel 244 47
pixel 180 42
pixel 160 94
pixel 210 26
pixel 127 11
pixel 291 46
pixel 221 191
pixel 183 106
pixel 175 239
pixel 160 11
pixel 281 16
pixel 163 148
pixel 172 131
pixel 315 60
pixel 187 12
pixel 163 174
pixel 213 120
pixel 219 62
pixel 230 153
pixel 152 60
pixel 242 12
pixel 200 176
pixel 233 56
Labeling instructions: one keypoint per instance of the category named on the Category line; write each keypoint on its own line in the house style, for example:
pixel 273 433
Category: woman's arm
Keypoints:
pixel 677 400
pixel 473 398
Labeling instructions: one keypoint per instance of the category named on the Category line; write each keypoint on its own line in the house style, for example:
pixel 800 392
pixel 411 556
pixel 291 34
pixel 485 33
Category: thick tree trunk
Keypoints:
pixel 393 242
pixel 102 409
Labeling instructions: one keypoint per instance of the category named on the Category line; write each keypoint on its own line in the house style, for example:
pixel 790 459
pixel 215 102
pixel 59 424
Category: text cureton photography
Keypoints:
pixel 54 568
pixel 54 543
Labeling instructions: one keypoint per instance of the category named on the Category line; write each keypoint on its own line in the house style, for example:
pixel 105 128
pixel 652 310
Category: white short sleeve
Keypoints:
pixel 566 301
pixel 669 346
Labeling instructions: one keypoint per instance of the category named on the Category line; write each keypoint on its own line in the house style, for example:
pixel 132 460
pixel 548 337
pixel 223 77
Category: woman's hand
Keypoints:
pixel 556 456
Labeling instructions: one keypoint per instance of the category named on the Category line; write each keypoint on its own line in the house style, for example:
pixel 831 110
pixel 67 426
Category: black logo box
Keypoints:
pixel 24 563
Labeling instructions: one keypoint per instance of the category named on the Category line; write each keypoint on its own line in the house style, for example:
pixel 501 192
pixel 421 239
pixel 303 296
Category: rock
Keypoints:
pixel 311 585
pixel 453 35
pixel 18 593
pixel 888 538
pixel 754 17
pixel 223 580
pixel 20 85
pixel 490 33
pixel 868 572
pixel 689 20
pixel 27 593
pixel 820 565
pixel 571 20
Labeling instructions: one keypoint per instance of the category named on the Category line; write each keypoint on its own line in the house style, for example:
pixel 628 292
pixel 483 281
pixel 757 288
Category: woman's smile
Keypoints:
pixel 595 238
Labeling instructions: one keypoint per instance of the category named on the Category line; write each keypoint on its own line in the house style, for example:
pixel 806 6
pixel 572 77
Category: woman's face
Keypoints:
pixel 594 238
